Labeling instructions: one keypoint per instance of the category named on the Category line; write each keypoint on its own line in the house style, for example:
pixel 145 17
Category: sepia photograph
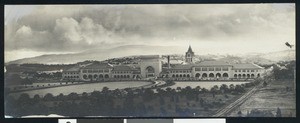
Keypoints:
pixel 150 60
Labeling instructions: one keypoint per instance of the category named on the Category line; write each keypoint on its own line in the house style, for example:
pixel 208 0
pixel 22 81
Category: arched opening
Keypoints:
pixel 128 76
pixel 258 75
pixel 204 75
pixel 225 75
pixel 188 75
pixel 235 75
pixel 184 75
pixel 115 76
pixel 173 75
pixel 167 76
pixel 106 76
pixel 150 71
pixel 95 76
pixel 84 76
pixel 197 75
pixel 133 76
pixel 211 75
pixel 121 76
pixel 240 76
pixel 248 75
pixel 100 76
pixel 180 75
pixel 218 75
pixel 252 75
pixel 244 75
pixel 137 76
pixel 90 76
pixel 177 75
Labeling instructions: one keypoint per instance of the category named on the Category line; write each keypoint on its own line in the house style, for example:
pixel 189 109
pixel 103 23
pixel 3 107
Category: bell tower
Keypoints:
pixel 189 55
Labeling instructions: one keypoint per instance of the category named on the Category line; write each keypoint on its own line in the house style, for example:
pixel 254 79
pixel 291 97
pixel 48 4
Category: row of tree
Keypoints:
pixel 104 103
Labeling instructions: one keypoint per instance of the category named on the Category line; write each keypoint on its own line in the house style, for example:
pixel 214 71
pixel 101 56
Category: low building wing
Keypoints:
pixel 246 66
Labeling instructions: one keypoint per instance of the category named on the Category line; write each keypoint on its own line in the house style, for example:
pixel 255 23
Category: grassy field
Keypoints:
pixel 274 95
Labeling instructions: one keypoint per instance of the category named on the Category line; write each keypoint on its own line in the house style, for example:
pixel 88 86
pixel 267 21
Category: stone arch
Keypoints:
pixel 218 75
pixel 173 75
pixel 177 75
pixel 184 75
pixel 84 76
pixel 204 75
pixel 188 75
pixel 95 76
pixel 106 76
pixel 235 75
pixel 90 76
pixel 211 75
pixel 197 75
pixel 100 76
pixel 252 75
pixel 180 75
pixel 225 75
pixel 248 75
pixel 150 71
pixel 244 75
pixel 240 76
pixel 258 75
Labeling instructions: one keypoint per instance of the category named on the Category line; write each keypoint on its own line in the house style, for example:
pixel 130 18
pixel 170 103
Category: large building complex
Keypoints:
pixel 151 66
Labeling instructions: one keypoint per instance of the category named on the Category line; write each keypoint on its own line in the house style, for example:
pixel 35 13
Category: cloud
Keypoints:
pixel 68 28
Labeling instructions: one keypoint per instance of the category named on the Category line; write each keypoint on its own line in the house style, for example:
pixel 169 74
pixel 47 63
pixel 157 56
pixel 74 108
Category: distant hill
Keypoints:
pixel 100 54
pixel 135 50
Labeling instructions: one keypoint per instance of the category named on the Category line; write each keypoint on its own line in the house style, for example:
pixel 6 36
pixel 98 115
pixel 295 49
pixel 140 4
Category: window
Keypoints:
pixel 84 71
pixel 197 69
pixel 226 69
pixel 252 70
pixel 106 71
pixel 244 70
pixel 204 69
pixel 90 71
pixel 211 69
pixel 218 69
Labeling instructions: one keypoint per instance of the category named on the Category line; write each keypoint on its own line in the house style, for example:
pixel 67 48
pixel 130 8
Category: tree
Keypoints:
pixel 73 96
pixel 48 97
pixel 105 89
pixel 36 98
pixel 224 88
pixel 278 112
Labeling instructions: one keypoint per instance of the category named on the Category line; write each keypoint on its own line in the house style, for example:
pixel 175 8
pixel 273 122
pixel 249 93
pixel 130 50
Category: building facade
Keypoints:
pixel 151 66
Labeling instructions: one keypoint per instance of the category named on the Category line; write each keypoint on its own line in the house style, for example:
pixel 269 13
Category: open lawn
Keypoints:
pixel 274 95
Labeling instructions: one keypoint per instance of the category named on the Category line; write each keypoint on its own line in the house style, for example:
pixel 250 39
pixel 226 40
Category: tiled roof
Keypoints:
pixel 122 68
pixel 73 69
pixel 182 67
pixel 98 66
pixel 246 66
pixel 212 63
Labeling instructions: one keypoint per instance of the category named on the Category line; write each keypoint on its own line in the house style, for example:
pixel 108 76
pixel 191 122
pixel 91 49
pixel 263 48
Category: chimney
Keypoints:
pixel 168 62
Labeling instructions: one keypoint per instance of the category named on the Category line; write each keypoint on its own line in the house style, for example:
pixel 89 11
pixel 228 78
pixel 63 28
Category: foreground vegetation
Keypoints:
pixel 179 102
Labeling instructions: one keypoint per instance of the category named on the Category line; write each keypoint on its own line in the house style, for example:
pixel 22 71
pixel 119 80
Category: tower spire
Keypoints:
pixel 189 55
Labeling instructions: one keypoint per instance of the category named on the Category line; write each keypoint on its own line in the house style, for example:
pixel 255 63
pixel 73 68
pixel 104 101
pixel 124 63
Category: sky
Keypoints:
pixel 32 30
